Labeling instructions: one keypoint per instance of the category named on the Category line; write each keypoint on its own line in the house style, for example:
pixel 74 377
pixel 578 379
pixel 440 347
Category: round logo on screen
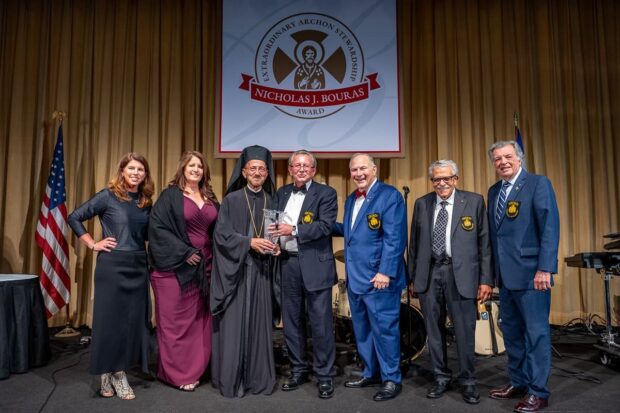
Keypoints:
pixel 309 66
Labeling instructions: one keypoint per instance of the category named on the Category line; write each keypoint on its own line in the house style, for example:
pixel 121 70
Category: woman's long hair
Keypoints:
pixel 206 191
pixel 146 189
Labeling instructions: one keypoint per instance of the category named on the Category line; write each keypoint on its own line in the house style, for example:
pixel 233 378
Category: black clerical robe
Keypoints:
pixel 242 357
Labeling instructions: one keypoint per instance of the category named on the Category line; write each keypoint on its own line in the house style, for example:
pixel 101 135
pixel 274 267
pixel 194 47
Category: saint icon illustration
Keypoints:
pixel 309 74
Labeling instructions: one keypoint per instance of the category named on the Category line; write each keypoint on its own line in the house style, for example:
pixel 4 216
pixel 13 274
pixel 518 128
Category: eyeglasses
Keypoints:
pixel 254 169
pixel 302 166
pixel 442 178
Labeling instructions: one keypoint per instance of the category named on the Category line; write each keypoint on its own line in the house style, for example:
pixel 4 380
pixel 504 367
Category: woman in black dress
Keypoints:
pixel 120 317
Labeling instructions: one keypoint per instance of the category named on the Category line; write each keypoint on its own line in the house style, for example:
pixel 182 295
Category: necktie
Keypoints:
pixel 439 232
pixel 501 203
pixel 301 189
pixel 359 193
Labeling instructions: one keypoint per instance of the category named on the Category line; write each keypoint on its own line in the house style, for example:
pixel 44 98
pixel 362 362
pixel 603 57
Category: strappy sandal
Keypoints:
pixel 189 387
pixel 121 386
pixel 106 386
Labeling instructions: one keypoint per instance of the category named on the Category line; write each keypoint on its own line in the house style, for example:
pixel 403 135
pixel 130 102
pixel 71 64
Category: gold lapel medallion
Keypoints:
pixel 467 223
pixel 512 209
pixel 308 218
pixel 374 222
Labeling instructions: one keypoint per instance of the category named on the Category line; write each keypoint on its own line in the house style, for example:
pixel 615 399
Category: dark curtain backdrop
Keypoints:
pixel 143 76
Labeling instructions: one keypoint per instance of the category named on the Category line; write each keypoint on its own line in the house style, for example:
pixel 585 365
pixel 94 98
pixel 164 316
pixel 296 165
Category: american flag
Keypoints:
pixel 51 236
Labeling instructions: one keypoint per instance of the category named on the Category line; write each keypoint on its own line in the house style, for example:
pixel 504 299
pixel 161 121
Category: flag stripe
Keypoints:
pixel 40 235
pixel 57 263
pixel 55 289
pixel 57 228
pixel 51 297
pixel 50 304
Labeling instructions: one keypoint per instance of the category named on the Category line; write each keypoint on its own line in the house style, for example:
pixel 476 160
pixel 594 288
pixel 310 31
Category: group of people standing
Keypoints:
pixel 179 229
pixel 212 270
pixel 460 249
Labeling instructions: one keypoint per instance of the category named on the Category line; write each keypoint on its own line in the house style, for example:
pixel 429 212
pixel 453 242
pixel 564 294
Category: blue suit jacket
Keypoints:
pixel 376 242
pixel 528 241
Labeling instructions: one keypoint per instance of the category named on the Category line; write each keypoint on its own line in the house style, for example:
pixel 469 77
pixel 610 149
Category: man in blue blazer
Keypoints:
pixel 308 272
pixel 525 231
pixel 375 232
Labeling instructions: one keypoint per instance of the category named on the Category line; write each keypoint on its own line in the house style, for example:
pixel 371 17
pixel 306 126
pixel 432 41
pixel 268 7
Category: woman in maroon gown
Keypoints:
pixel 180 253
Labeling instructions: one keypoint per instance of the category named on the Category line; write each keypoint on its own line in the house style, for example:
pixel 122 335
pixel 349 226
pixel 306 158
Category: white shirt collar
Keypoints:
pixel 450 199
pixel 307 184
pixel 514 178
pixel 252 189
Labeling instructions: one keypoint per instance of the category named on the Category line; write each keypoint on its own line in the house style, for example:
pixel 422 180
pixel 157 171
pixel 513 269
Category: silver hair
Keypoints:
pixel 442 163
pixel 501 144
pixel 358 154
pixel 302 152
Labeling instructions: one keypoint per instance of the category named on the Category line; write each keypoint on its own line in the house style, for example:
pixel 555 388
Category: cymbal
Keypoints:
pixel 339 255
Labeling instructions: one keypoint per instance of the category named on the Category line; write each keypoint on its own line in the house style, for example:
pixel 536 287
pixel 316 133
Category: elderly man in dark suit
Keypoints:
pixel 525 232
pixel 308 272
pixel 450 267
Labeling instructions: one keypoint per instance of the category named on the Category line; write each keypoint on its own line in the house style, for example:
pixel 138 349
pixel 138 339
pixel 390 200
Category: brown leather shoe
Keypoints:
pixel 531 403
pixel 507 392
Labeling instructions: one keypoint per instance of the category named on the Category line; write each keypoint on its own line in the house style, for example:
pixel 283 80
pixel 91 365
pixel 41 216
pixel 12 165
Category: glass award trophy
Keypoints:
pixel 271 217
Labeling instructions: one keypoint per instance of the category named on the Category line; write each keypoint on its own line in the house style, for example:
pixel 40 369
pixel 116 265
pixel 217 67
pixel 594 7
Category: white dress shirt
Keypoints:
pixel 449 208
pixel 291 217
pixel 359 202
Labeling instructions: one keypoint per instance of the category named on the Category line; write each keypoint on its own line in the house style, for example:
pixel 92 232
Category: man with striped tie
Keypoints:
pixel 525 231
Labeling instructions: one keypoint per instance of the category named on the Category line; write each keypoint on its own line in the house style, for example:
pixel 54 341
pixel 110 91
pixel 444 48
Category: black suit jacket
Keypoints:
pixel 314 228
pixel 470 243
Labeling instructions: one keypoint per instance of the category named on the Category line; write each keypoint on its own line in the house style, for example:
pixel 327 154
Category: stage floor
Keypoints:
pixel 579 383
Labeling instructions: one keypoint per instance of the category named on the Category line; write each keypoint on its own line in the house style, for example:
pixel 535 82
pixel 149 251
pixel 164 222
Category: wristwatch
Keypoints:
pixel 294 231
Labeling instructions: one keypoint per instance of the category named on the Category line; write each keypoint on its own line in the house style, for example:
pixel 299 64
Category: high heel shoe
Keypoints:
pixel 121 386
pixel 106 386
pixel 189 387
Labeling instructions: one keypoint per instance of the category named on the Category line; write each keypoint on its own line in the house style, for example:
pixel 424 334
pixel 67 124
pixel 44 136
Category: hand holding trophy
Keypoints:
pixel 273 218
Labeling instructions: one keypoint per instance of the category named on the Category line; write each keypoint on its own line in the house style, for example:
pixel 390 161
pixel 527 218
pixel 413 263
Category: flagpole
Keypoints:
pixel 516 119
pixel 68 331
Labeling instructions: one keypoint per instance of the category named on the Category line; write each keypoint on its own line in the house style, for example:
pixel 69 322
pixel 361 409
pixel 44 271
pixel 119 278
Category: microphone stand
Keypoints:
pixel 406 195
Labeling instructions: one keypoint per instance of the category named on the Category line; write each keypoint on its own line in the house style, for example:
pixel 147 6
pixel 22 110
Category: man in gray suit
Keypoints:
pixel 450 267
